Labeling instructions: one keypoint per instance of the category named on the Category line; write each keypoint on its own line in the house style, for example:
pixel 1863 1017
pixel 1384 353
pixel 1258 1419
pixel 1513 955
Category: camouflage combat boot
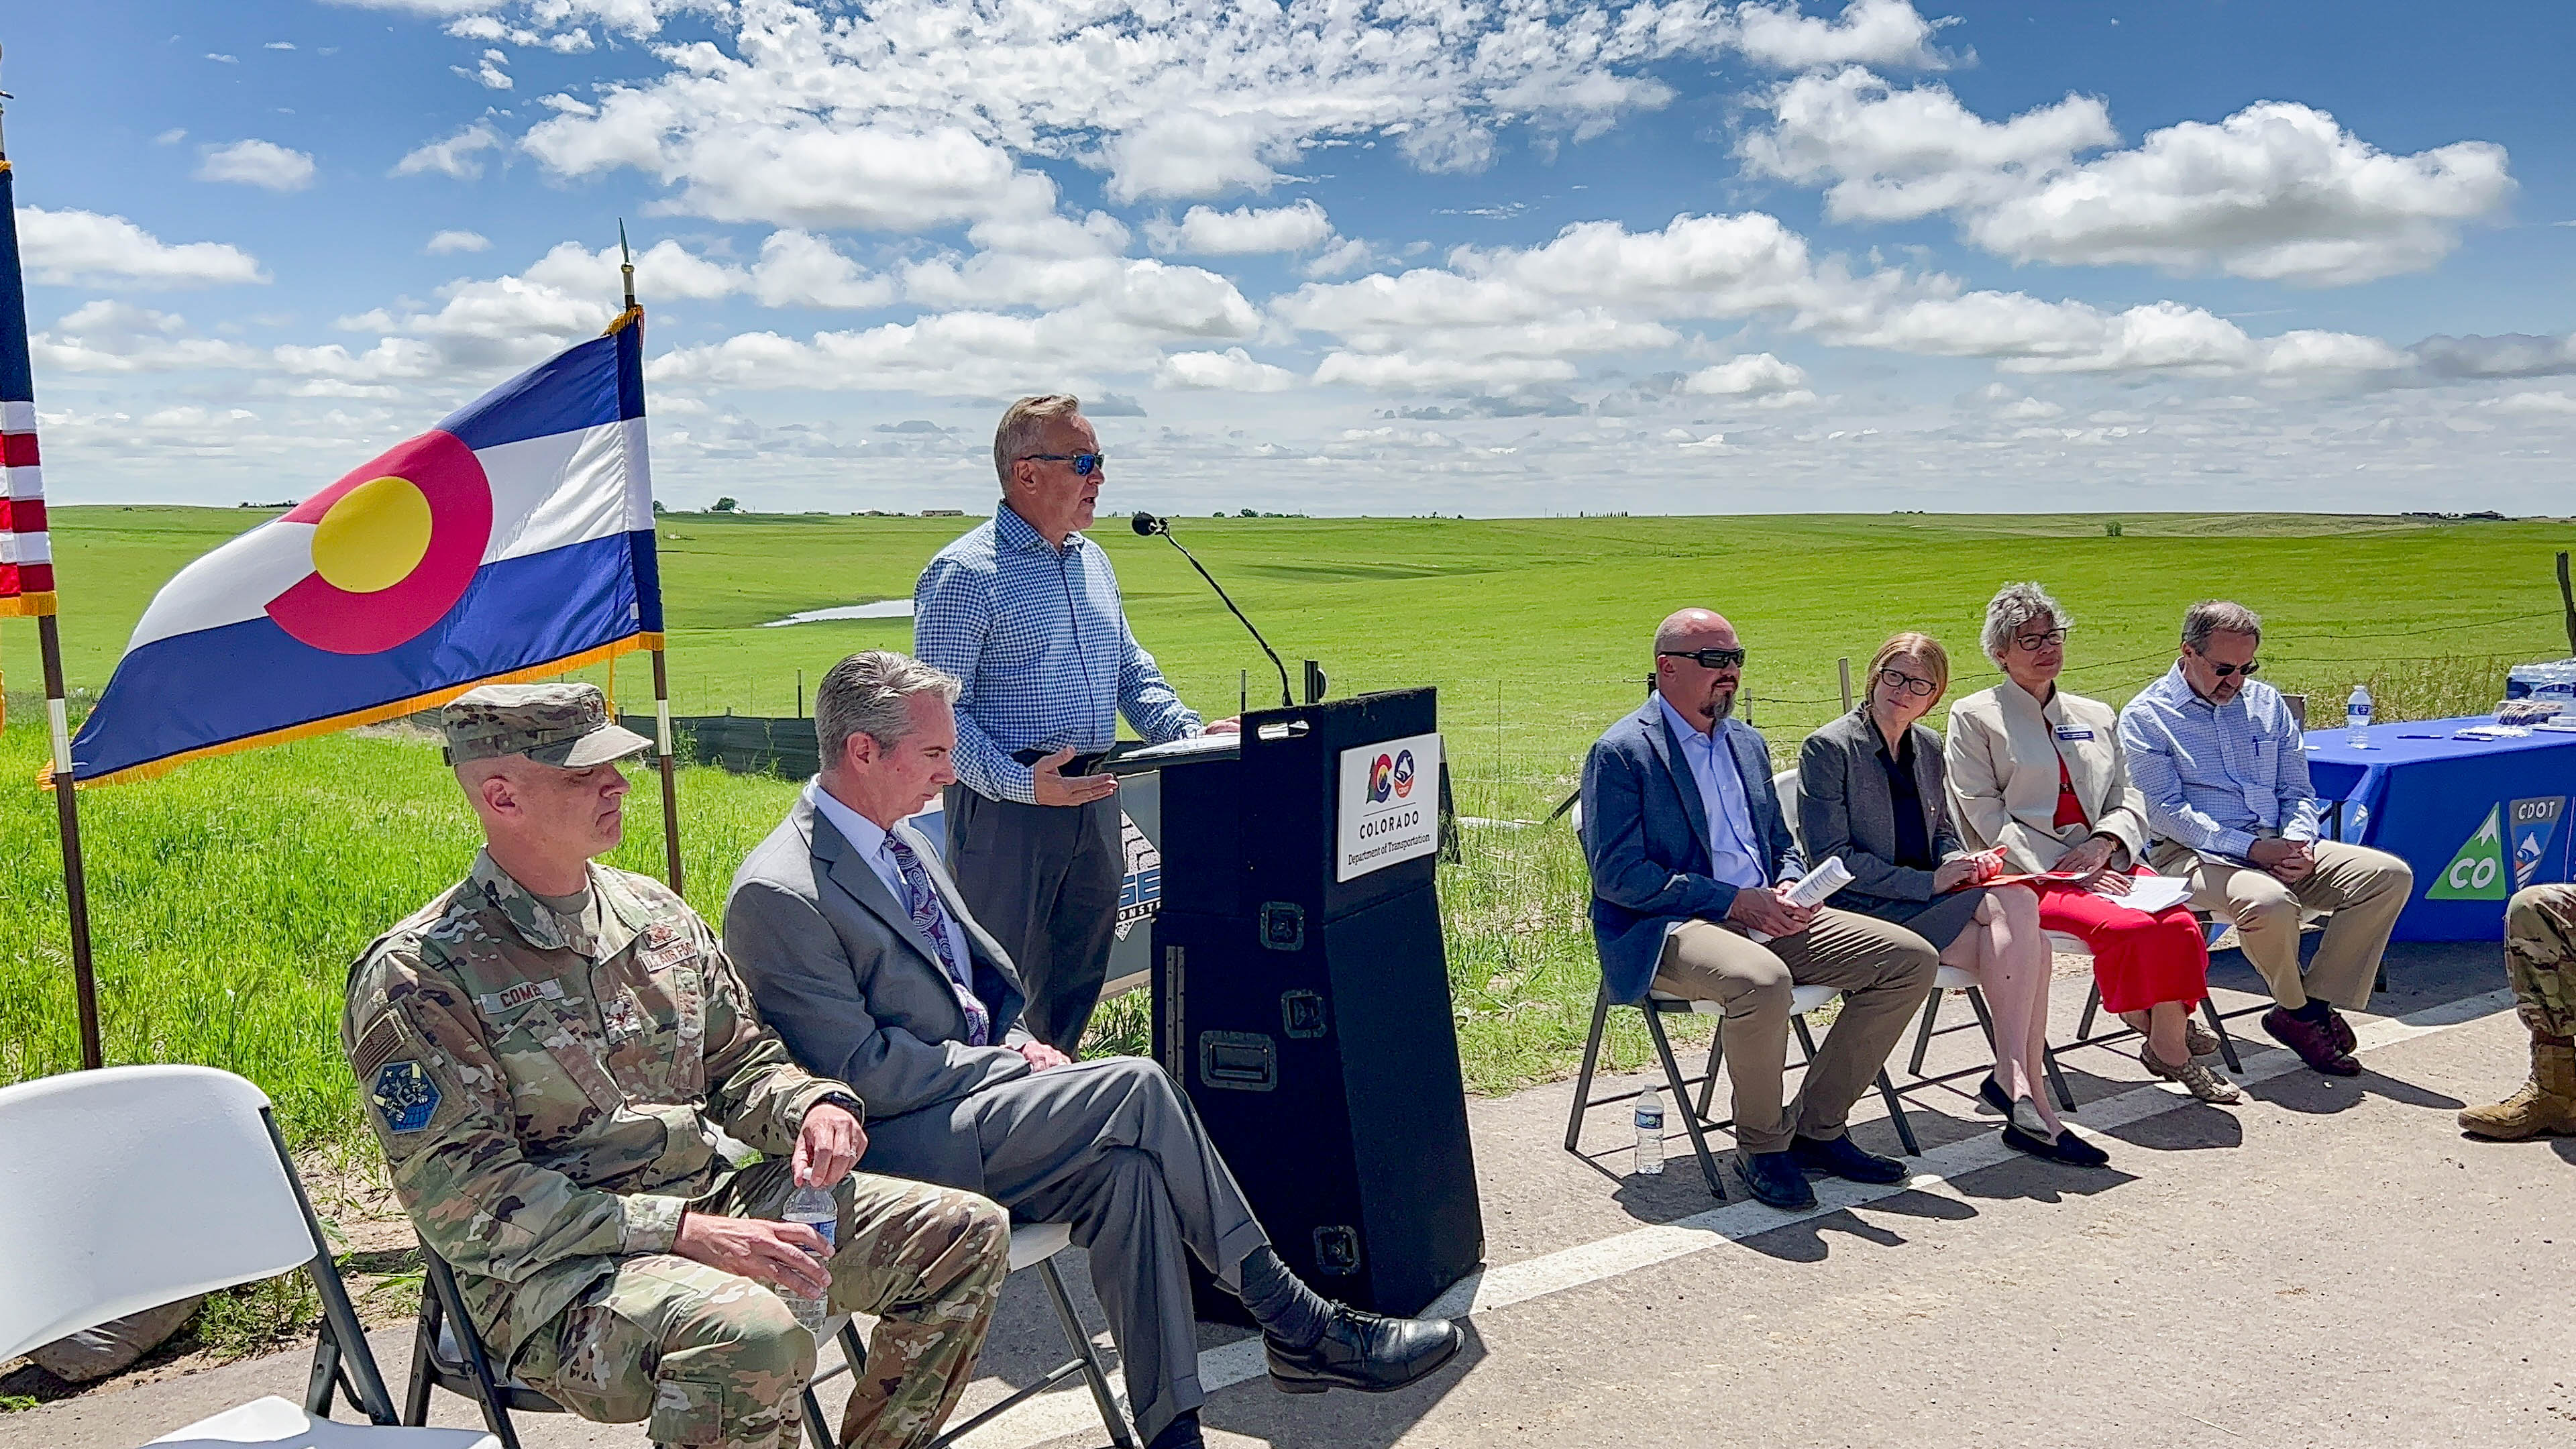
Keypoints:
pixel 2546 1103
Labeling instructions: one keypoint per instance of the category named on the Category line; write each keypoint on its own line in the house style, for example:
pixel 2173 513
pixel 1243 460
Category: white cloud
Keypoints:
pixel 1244 231
pixel 489 71
pixel 2511 354
pixel 1341 258
pixel 446 242
pixel 257 163
pixel 1233 370
pixel 171 137
pixel 1755 375
pixel 800 269
pixel 279 45
pixel 2538 404
pixel 223 59
pixel 119 337
pixel 664 270
pixel 84 248
pixel 2276 192
pixel 1869 32
pixel 456 156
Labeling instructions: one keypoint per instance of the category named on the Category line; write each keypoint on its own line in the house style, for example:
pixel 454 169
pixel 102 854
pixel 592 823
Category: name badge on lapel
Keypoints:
pixel 2068 732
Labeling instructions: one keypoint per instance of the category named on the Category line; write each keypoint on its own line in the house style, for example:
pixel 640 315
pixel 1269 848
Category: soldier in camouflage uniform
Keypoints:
pixel 548 1074
pixel 2540 961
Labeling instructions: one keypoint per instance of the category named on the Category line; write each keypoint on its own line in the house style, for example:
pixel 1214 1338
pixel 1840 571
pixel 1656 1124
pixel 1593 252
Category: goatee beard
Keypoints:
pixel 1723 710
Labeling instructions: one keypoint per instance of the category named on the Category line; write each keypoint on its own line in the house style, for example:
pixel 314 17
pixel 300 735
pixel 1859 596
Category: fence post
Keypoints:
pixel 800 694
pixel 1844 664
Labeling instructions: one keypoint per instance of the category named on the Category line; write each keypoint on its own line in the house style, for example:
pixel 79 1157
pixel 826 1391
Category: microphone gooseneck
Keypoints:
pixel 1146 526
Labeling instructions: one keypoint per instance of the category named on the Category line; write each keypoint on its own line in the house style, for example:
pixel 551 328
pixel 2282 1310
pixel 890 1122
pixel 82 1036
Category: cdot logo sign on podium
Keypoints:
pixel 1388 805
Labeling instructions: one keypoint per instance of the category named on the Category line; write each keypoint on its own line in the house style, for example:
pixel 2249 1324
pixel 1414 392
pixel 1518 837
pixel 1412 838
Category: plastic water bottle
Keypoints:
pixel 1650 1134
pixel 2356 718
pixel 813 1206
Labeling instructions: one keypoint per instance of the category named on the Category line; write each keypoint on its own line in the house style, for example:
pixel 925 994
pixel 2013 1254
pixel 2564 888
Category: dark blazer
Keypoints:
pixel 842 974
pixel 1846 809
pixel 1645 834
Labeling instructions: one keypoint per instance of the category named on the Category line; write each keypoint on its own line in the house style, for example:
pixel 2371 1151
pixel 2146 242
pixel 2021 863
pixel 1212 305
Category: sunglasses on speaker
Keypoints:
pixel 2223 670
pixel 1084 464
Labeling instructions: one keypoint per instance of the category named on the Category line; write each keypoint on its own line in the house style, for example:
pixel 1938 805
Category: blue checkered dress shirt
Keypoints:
pixel 2218 777
pixel 1040 636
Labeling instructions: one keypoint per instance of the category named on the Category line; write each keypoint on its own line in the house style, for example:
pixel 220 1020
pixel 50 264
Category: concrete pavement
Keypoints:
pixel 2330 1262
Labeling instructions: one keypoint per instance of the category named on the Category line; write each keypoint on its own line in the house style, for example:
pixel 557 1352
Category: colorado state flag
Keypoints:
pixel 513 540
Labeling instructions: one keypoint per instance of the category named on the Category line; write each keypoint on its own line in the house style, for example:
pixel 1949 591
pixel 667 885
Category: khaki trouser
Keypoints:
pixel 2363 888
pixel 1884 971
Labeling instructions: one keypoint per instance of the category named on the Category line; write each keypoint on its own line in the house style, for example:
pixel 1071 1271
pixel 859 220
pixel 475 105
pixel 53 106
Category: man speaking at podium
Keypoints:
pixel 1026 611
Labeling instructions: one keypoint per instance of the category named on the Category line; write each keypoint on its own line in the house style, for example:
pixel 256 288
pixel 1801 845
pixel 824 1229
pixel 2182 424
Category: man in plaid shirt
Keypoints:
pixel 1026 611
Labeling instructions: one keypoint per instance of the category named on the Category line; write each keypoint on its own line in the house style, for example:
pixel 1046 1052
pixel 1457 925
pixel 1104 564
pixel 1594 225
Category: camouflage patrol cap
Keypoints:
pixel 566 725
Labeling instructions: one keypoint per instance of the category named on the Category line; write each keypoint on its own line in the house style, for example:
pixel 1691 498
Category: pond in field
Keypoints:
pixel 881 609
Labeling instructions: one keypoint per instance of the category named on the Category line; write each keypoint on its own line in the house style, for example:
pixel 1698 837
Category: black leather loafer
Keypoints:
pixel 1774 1178
pixel 2065 1147
pixel 1846 1159
pixel 1363 1351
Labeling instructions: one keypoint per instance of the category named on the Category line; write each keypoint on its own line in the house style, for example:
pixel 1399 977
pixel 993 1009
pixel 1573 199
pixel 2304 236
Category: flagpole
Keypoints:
pixel 17 396
pixel 661 672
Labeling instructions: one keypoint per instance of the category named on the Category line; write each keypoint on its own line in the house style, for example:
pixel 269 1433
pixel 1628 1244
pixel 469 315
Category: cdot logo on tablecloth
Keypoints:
pixel 2534 826
pixel 1140 894
pixel 2476 871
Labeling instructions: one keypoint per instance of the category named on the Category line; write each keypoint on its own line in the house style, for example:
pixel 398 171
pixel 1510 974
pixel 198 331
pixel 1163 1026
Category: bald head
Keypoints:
pixel 1700 693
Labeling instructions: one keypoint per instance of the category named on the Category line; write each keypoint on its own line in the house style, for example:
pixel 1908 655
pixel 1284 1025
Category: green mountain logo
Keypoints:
pixel 2476 873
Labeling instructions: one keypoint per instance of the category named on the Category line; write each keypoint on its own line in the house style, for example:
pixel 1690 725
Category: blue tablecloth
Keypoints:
pixel 2477 819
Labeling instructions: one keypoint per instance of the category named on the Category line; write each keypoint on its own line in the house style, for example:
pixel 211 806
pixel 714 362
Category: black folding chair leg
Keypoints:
pixel 818 1430
pixel 478 1367
pixel 1896 1112
pixel 1681 1096
pixel 1708 1079
pixel 2092 1004
pixel 2056 1078
pixel 1092 1372
pixel 325 1377
pixel 1923 1038
pixel 2218 1028
pixel 1591 1057
pixel 1985 1016
pixel 416 1394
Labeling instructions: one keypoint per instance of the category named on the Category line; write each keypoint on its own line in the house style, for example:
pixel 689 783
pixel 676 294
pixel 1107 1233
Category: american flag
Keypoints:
pixel 26 555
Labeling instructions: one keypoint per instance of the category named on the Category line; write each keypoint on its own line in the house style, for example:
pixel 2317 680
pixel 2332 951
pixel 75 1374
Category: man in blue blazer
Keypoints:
pixel 1689 847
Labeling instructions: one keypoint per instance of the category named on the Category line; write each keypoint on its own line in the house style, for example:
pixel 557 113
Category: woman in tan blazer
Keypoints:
pixel 2037 772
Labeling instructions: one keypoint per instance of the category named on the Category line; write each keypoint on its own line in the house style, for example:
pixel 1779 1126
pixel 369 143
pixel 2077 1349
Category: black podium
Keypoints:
pixel 1301 993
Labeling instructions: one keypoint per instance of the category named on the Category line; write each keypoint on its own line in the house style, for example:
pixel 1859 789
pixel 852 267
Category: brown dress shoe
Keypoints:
pixel 2342 1030
pixel 2314 1041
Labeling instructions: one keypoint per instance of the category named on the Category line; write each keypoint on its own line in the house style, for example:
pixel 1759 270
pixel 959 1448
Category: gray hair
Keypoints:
pixel 871 693
pixel 2217 616
pixel 2013 606
pixel 1022 421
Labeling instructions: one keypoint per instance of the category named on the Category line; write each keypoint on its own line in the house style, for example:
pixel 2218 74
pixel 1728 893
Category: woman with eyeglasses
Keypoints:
pixel 1871 790
pixel 2037 773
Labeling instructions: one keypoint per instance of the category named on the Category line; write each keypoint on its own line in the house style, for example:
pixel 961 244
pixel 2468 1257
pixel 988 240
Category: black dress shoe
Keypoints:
pixel 1991 1092
pixel 2314 1041
pixel 1363 1351
pixel 2065 1147
pixel 1846 1159
pixel 1181 1433
pixel 1774 1178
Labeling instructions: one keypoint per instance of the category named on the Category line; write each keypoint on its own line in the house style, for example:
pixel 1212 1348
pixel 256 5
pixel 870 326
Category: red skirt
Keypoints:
pixel 2138 959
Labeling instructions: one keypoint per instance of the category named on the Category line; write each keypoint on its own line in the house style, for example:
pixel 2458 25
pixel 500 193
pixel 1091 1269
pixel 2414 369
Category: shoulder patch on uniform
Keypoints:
pixel 375 1047
pixel 405 1096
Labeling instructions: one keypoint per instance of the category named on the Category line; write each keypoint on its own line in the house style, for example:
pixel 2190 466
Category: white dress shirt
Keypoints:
pixel 1733 857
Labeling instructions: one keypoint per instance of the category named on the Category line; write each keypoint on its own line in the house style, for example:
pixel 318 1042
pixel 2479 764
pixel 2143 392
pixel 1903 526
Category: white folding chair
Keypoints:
pixel 130 1187
pixel 1033 1245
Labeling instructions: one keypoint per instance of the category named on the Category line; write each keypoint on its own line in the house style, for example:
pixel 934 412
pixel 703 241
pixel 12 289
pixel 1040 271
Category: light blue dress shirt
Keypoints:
pixel 2218 777
pixel 1039 635
pixel 870 839
pixel 1732 857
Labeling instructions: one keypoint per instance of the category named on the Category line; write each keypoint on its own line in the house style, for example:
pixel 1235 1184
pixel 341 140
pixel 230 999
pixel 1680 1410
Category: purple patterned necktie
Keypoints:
pixel 923 902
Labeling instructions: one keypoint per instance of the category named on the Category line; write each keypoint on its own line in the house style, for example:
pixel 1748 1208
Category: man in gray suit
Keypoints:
pixel 1688 848
pixel 861 955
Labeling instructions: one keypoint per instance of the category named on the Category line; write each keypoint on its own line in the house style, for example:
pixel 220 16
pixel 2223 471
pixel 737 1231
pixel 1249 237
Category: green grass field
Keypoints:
pixel 230 896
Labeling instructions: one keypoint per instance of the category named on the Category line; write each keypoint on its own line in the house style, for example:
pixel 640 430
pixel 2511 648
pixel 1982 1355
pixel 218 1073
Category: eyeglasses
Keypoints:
pixel 1707 658
pixel 2033 643
pixel 1897 679
pixel 2223 670
pixel 1084 464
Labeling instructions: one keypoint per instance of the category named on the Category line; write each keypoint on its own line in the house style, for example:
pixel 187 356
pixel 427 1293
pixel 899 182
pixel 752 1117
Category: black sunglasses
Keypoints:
pixel 1707 658
pixel 2223 670
pixel 1084 464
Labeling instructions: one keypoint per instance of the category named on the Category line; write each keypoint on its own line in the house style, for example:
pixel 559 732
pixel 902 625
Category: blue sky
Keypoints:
pixel 1517 258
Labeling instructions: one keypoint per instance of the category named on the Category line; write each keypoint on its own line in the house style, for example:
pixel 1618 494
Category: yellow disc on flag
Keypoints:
pixel 373 536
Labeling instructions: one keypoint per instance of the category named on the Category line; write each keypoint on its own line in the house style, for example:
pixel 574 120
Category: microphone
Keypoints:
pixel 1147 525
